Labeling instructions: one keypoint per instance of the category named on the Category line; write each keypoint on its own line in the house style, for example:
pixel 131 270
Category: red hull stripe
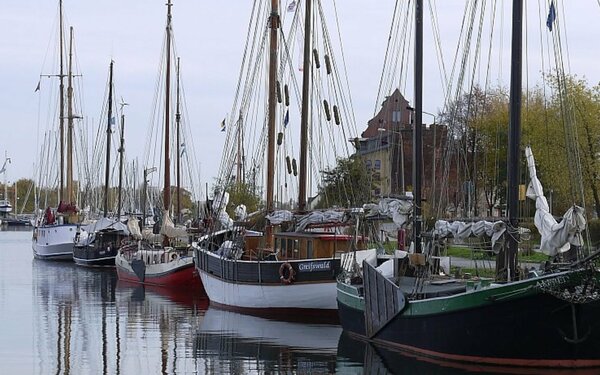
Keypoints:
pixel 513 362
pixel 179 277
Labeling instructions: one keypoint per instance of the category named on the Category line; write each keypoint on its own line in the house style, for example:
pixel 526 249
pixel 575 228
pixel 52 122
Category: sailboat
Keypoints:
pixel 290 266
pixel 104 238
pixel 5 206
pixel 164 259
pixel 548 319
pixel 55 231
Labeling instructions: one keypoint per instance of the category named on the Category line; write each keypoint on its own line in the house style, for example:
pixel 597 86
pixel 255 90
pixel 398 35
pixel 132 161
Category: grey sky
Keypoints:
pixel 209 37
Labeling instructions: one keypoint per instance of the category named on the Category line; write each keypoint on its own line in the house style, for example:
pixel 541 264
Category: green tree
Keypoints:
pixel 242 193
pixel 345 185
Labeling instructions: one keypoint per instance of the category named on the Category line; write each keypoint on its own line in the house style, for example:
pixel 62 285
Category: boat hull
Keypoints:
pixel 178 273
pixel 257 285
pixel 94 257
pixel 524 328
pixel 54 242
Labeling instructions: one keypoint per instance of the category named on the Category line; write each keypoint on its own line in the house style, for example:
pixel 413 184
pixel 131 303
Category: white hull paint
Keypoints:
pixel 155 269
pixel 321 296
pixel 54 242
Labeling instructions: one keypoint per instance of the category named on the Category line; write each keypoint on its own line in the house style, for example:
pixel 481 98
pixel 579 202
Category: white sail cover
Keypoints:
pixel 170 230
pixel 134 228
pixel 220 206
pixel 460 230
pixel 280 216
pixel 399 210
pixel 106 224
pixel 320 217
pixel 556 237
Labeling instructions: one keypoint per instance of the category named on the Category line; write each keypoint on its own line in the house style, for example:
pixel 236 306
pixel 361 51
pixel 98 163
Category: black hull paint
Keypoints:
pixel 352 320
pixel 522 332
pixel 100 253
pixel 263 272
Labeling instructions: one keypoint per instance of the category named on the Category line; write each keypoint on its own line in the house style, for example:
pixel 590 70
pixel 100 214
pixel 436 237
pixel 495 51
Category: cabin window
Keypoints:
pixel 283 247
pixel 309 249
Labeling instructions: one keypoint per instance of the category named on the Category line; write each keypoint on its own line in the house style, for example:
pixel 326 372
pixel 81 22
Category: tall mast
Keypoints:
pixel 417 126
pixel 177 122
pixel 121 152
pixel 240 173
pixel 273 50
pixel 306 71
pixel 70 195
pixel 514 136
pixel 61 99
pixel 108 133
pixel 167 176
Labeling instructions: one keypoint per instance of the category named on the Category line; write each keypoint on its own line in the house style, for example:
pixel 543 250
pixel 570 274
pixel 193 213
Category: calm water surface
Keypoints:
pixel 58 318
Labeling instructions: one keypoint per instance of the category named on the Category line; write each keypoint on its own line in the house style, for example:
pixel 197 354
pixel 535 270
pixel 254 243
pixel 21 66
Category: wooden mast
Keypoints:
pixel 272 102
pixel 177 122
pixel 417 127
pixel 514 138
pixel 61 99
pixel 121 153
pixel 167 175
pixel 108 136
pixel 70 193
pixel 306 71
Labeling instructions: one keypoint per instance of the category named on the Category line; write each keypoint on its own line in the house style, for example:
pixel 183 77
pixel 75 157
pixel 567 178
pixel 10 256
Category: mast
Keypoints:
pixel 417 127
pixel 306 70
pixel 240 157
pixel 272 102
pixel 107 166
pixel 514 137
pixel 177 122
pixel 70 195
pixel 61 115
pixel 167 175
pixel 121 152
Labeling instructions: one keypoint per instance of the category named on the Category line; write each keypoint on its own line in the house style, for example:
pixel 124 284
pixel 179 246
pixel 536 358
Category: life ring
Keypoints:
pixel 286 273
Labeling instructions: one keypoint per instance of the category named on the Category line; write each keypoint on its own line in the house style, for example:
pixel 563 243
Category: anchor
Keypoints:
pixel 575 339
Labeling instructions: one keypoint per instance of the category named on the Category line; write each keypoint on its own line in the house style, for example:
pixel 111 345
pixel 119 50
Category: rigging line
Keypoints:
pixel 385 58
pixel 438 47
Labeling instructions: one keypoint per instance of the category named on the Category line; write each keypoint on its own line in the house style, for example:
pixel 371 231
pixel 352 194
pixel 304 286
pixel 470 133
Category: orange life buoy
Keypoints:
pixel 286 273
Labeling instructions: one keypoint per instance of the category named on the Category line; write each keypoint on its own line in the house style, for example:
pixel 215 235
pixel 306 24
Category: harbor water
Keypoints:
pixel 59 318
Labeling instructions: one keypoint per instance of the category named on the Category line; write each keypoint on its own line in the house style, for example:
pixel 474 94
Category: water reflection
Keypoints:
pixel 237 343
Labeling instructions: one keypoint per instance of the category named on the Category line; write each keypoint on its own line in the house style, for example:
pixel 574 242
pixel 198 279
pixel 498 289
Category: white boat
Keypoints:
pixel 55 231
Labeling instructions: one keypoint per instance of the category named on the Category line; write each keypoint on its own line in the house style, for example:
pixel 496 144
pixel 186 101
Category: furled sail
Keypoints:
pixel 170 230
pixel 557 237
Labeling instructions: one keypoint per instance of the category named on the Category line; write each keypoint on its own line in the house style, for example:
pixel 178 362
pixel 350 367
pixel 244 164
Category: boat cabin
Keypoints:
pixel 312 245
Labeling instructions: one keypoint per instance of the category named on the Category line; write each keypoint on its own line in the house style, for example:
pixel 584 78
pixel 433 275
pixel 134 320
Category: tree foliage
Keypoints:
pixel 345 185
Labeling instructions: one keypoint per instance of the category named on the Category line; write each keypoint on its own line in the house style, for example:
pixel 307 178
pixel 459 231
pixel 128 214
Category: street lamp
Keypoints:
pixel 147 171
pixel 401 141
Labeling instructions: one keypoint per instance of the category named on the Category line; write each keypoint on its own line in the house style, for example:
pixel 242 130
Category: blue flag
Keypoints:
pixel 286 119
pixel 551 16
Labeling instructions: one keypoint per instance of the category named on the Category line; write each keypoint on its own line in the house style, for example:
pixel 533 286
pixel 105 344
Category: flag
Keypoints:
pixel 292 7
pixel 286 119
pixel 223 125
pixel 37 88
pixel 112 120
pixel 551 16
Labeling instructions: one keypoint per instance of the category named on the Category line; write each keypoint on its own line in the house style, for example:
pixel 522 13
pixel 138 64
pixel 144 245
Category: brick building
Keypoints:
pixel 386 148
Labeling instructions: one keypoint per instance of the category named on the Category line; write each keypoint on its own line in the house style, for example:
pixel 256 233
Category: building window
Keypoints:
pixel 396 116
pixel 368 164
pixel 378 164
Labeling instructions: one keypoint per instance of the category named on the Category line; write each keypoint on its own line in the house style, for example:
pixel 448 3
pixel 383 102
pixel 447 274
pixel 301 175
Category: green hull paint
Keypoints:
pixel 349 296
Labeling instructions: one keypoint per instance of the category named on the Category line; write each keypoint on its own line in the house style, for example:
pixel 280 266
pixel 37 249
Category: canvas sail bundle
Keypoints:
pixel 557 237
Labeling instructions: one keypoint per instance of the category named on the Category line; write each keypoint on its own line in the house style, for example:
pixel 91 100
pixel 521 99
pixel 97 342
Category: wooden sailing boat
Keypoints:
pixel 276 270
pixel 548 319
pixel 169 262
pixel 100 246
pixel 55 231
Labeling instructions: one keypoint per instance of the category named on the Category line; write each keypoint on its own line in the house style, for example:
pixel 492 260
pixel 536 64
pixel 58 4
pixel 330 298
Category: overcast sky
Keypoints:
pixel 210 37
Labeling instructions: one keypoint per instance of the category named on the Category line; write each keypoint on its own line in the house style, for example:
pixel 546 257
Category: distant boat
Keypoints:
pixel 55 231
pixel 5 206
pixel 100 246
pixel 163 259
